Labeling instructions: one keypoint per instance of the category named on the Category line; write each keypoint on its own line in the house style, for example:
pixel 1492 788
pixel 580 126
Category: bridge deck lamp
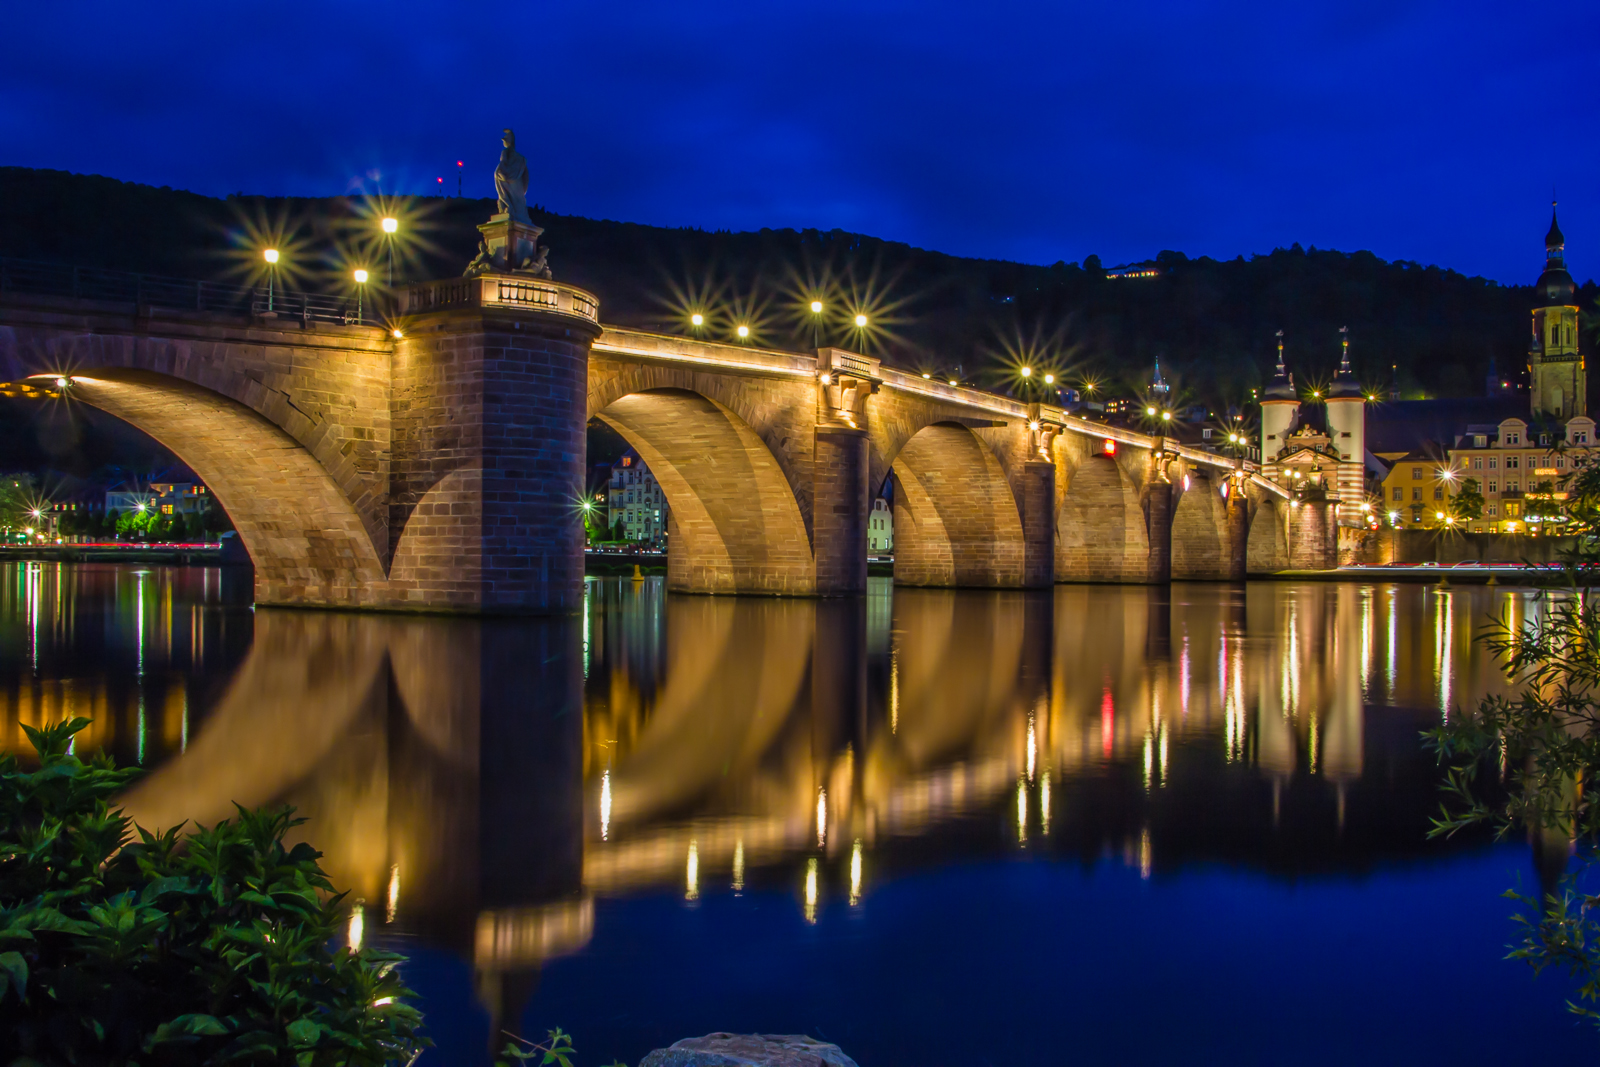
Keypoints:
pixel 861 322
pixel 1049 379
pixel 361 283
pixel 1166 416
pixel 954 382
pixel 390 225
pixel 697 319
pixel 743 332
pixel 62 383
pixel 929 376
pixel 827 379
pixel 1027 372
pixel 1150 411
pixel 271 256
pixel 398 335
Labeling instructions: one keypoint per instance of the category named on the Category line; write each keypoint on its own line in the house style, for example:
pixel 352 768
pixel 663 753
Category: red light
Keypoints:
pixel 1109 447
pixel 459 163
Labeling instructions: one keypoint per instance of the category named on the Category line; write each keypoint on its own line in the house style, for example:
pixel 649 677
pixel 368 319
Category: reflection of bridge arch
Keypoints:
pixel 956 517
pixel 734 521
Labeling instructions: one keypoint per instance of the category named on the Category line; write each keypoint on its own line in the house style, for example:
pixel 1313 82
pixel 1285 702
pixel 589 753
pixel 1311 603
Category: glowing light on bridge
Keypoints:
pixel 360 276
pixel 1027 372
pixel 861 321
pixel 390 225
pixel 270 255
pixel 816 307
pixel 697 319
pixel 743 331
pixel 1109 446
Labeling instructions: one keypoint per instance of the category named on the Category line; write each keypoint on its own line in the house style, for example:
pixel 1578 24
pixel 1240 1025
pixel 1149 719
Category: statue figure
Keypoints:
pixel 511 180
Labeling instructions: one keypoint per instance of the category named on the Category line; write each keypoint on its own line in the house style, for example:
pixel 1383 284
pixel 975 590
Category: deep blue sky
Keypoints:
pixel 1420 130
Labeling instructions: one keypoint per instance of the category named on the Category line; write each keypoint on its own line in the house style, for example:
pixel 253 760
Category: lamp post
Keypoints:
pixel 361 285
pixel 816 324
pixel 390 225
pixel 271 256
pixel 861 333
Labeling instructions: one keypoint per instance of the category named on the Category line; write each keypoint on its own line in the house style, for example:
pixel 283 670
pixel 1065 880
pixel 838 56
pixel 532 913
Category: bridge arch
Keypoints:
pixel 1101 533
pixel 734 520
pixel 956 520
pixel 1199 528
pixel 304 536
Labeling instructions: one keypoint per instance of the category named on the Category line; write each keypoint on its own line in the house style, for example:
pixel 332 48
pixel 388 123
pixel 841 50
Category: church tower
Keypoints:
pixel 1556 376
pixel 1280 411
pixel 1347 433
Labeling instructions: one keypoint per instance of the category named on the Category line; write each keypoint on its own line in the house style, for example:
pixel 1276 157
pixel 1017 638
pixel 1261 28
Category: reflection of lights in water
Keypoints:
pixel 1366 644
pixel 1033 747
pixel 1394 641
pixel 587 586
pixel 691 875
pixel 894 691
pixel 357 931
pixel 1022 810
pixel 605 805
pixel 855 874
pixel 822 817
pixel 1291 674
pixel 1183 678
pixel 1444 636
pixel 1311 741
pixel 392 905
pixel 1108 721
pixel 1044 802
pixel 811 890
pixel 1163 745
pixel 738 866
pixel 1149 760
pixel 1144 853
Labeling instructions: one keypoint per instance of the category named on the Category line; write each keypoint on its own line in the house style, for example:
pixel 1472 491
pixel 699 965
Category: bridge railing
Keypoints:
pixel 35 278
pixel 499 290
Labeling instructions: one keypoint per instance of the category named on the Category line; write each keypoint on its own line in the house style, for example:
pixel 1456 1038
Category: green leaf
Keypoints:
pixel 303 1033
pixel 13 971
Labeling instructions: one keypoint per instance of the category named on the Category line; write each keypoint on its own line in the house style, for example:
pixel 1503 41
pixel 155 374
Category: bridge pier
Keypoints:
pixel 1236 512
pixel 488 426
pixel 1158 520
pixel 1313 533
pixel 839 512
pixel 1038 525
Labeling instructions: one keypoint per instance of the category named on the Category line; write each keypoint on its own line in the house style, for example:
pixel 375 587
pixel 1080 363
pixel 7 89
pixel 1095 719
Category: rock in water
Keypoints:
pixel 749 1050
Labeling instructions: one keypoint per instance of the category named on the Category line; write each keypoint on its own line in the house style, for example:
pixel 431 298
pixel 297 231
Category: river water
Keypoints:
pixel 1099 824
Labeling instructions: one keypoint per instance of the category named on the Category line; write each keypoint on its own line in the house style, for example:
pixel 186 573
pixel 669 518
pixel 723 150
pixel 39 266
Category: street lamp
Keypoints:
pixel 390 225
pixel 816 324
pixel 271 256
pixel 361 284
pixel 743 331
pixel 861 322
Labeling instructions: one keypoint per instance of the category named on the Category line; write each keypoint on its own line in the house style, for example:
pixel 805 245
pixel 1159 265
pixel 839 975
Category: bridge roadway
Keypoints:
pixel 437 465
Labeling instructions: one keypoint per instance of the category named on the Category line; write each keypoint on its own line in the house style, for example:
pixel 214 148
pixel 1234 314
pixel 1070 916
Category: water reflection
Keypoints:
pixel 478 784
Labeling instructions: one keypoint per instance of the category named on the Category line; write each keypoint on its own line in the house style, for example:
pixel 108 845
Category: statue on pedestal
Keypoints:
pixel 510 241
pixel 511 180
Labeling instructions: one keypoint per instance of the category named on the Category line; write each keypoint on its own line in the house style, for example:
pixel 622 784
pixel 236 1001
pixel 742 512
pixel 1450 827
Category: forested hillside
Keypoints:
pixel 1210 322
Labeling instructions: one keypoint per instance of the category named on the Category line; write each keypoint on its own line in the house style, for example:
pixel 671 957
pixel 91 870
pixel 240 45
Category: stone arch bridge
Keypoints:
pixel 438 465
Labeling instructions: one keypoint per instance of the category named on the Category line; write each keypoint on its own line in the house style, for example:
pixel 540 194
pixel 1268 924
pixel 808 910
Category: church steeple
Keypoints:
pixel 1556 373
pixel 1344 383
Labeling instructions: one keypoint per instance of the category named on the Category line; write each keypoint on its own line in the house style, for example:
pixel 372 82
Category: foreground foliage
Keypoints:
pixel 211 947
pixel 1523 762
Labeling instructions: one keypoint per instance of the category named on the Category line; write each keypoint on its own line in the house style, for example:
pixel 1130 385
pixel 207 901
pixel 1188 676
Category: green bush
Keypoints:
pixel 215 946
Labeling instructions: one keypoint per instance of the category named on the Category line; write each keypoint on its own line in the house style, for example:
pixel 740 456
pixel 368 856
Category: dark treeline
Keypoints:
pixel 1211 322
